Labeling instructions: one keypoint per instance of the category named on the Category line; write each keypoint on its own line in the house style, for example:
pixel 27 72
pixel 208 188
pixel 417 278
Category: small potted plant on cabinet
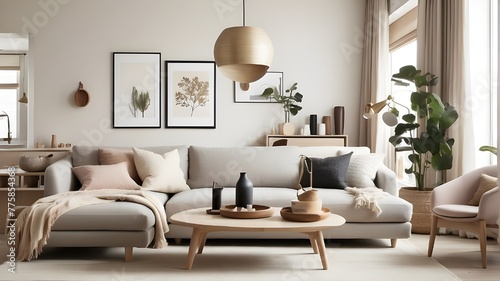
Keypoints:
pixel 425 132
pixel 290 102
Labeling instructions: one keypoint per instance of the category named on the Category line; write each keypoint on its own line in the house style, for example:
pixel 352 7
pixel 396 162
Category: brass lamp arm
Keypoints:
pixel 395 102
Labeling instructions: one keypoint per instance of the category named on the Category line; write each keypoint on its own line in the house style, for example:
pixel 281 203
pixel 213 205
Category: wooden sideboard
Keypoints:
pixel 315 140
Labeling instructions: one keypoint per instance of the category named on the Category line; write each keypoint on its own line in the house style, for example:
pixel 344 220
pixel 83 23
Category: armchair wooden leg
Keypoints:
pixel 128 254
pixel 432 235
pixel 482 241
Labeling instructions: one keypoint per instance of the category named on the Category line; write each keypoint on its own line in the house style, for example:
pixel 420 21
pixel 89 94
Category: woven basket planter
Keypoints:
pixel 421 201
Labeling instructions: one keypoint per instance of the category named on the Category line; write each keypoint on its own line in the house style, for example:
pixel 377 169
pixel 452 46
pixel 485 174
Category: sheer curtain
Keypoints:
pixel 441 46
pixel 457 41
pixel 375 77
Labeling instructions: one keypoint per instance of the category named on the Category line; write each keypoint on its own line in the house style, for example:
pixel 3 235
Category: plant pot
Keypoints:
pixel 421 201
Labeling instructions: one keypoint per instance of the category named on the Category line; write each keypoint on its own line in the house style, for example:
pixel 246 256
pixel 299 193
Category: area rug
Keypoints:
pixel 237 260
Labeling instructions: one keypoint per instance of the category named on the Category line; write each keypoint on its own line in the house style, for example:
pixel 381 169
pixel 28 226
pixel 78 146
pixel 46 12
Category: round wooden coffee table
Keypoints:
pixel 203 223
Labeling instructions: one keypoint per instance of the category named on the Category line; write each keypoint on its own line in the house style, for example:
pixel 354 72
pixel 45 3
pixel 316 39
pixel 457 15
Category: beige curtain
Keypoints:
pixel 375 76
pixel 442 38
pixel 441 45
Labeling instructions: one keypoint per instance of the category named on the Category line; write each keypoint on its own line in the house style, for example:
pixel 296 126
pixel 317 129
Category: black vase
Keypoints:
pixel 244 191
pixel 313 124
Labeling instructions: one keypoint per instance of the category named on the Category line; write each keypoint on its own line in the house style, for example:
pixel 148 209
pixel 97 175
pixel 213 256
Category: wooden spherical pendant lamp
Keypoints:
pixel 243 53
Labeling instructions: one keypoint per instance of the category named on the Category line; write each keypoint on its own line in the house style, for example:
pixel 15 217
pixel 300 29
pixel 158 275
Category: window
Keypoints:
pixel 404 55
pixel 10 77
pixel 403 51
pixel 482 95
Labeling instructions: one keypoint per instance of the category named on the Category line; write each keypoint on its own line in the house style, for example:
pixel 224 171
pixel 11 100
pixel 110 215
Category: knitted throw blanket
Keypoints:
pixel 367 197
pixel 34 223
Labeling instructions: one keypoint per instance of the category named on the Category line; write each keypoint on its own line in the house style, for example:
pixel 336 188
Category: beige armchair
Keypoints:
pixel 450 208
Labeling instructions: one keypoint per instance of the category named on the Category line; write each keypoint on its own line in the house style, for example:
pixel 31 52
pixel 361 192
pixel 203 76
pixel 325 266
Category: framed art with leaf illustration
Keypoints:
pixel 190 98
pixel 136 90
pixel 251 93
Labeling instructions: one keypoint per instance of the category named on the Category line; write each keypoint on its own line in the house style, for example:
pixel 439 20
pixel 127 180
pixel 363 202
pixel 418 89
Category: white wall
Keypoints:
pixel 73 41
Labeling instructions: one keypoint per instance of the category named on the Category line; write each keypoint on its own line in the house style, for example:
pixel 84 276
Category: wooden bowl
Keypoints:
pixel 261 211
pixel 287 214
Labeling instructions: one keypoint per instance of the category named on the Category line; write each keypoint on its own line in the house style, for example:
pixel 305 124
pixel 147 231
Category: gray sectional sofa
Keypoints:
pixel 274 172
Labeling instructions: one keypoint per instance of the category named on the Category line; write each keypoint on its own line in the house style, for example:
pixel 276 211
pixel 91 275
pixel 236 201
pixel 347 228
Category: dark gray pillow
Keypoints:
pixel 330 172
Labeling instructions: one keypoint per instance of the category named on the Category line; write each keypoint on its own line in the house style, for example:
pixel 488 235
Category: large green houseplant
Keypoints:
pixel 425 130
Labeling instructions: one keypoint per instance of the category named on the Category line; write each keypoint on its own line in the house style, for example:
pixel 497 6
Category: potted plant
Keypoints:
pixel 425 132
pixel 289 102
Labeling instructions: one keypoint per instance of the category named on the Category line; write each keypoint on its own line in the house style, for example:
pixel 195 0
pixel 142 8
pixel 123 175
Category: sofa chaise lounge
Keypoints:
pixel 274 172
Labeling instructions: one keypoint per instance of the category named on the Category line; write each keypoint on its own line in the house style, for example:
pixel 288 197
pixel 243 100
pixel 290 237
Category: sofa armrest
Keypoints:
pixel 386 180
pixel 59 177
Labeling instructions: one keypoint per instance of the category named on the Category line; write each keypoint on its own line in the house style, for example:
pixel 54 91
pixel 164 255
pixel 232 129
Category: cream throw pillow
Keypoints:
pixel 160 172
pixel 486 183
pixel 363 169
pixel 113 176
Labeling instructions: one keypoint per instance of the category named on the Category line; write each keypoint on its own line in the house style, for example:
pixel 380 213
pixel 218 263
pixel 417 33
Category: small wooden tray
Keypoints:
pixel 260 212
pixel 287 214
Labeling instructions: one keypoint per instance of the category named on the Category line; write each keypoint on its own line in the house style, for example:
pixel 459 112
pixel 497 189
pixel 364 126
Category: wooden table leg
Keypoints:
pixel 320 244
pixel 314 245
pixel 196 239
pixel 203 240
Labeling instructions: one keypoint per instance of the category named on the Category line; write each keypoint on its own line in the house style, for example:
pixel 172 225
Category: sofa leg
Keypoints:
pixel 177 241
pixel 128 254
pixel 394 242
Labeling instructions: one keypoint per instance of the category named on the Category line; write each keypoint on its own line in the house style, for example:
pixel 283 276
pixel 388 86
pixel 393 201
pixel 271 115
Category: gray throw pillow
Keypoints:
pixel 330 172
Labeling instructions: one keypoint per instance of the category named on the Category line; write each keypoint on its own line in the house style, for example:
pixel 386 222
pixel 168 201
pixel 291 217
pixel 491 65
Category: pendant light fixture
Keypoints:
pixel 243 53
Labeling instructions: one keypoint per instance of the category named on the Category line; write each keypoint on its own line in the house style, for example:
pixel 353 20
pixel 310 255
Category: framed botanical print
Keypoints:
pixel 250 93
pixel 136 90
pixel 190 94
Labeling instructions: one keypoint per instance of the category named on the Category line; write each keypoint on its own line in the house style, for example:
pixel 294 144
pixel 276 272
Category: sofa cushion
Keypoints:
pixel 265 166
pixel 394 209
pixel 120 216
pixel 108 156
pixel 160 172
pixel 114 176
pixel 456 211
pixel 89 155
pixel 330 172
pixel 202 197
pixel 363 169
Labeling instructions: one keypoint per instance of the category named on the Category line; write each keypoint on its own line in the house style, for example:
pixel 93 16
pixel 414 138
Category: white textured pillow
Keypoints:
pixel 113 176
pixel 363 169
pixel 160 172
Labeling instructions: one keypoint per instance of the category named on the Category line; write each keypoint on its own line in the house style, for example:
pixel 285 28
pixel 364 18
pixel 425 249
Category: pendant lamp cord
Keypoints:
pixel 243 12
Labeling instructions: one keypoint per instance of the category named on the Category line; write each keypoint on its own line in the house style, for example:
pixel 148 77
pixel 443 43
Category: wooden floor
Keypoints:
pixel 459 255
pixel 462 256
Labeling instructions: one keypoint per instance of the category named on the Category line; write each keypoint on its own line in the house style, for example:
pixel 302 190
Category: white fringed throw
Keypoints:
pixel 367 197
pixel 35 222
